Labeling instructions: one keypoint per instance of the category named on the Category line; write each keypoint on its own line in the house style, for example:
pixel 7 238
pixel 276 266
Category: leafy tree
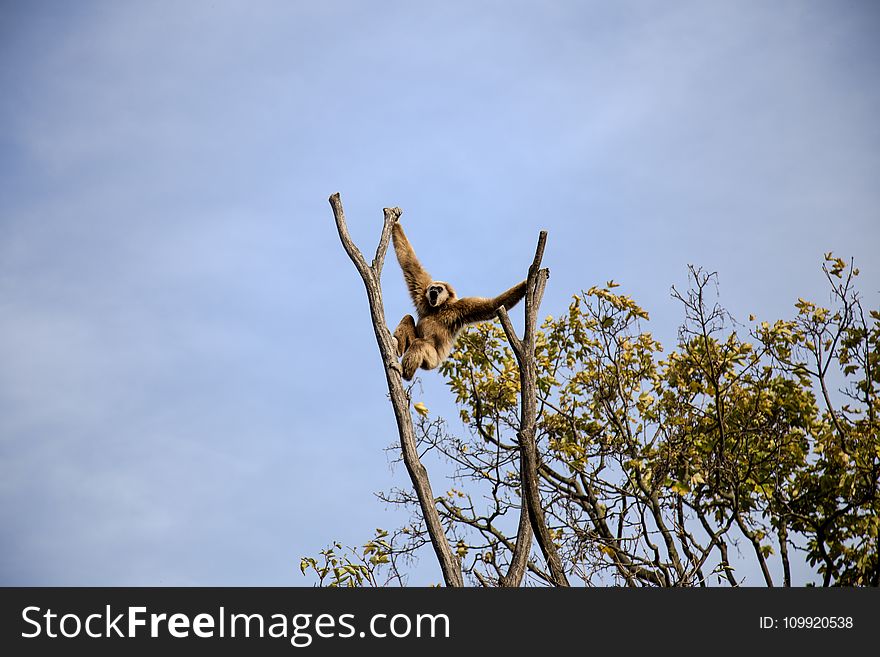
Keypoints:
pixel 651 469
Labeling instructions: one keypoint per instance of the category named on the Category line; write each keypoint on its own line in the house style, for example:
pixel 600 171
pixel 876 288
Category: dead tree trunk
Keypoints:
pixel 524 350
pixel 449 563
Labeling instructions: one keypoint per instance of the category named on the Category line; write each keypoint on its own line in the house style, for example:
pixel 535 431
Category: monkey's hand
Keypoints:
pixel 394 365
pixel 395 214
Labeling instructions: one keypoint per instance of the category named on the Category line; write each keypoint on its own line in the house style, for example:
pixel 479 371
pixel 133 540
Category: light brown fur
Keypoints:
pixel 441 314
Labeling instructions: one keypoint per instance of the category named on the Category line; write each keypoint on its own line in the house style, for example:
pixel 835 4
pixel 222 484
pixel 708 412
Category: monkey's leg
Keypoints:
pixel 421 353
pixel 405 334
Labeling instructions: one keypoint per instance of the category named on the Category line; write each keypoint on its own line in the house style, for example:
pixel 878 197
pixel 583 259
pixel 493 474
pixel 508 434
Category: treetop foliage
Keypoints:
pixel 657 468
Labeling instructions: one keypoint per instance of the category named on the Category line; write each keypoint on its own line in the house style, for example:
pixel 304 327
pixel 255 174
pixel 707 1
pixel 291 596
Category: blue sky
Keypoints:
pixel 190 391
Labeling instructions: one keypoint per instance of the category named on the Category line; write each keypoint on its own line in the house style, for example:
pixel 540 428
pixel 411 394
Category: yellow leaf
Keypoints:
pixel 421 409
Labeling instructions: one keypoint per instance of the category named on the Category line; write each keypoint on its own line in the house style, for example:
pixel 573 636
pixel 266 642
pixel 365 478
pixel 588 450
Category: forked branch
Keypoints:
pixel 370 274
pixel 524 351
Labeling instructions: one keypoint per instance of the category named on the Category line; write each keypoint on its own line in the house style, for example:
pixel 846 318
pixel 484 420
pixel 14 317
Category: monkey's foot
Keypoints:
pixel 394 365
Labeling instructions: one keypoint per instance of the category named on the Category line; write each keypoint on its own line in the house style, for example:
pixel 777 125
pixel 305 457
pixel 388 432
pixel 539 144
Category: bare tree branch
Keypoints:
pixel 449 563
pixel 522 547
pixel 525 355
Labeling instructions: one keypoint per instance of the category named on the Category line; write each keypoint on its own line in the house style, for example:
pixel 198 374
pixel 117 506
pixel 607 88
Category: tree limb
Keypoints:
pixel 449 563
pixel 525 355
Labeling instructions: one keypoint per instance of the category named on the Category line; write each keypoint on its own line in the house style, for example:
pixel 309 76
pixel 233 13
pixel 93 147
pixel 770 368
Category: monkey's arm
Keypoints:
pixel 476 309
pixel 417 279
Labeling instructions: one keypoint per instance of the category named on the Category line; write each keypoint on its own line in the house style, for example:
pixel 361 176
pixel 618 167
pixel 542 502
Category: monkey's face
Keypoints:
pixel 439 293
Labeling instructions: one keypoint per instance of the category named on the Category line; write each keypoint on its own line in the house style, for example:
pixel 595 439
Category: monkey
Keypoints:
pixel 441 314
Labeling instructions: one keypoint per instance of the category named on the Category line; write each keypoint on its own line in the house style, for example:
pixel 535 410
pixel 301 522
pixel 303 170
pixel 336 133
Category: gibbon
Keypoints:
pixel 442 314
